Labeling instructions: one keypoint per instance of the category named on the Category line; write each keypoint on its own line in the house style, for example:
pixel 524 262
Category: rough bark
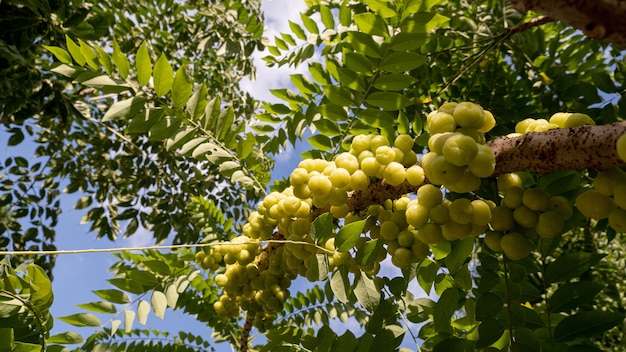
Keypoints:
pixel 602 20
pixel 584 147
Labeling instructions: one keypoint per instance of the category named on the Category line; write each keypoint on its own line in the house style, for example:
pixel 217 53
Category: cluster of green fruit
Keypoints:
pixel 458 157
pixel 242 250
pixel 558 120
pixel 607 199
pixel 436 218
pixel 522 215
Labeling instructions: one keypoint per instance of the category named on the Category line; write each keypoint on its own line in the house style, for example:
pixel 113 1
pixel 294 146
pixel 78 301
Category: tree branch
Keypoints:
pixel 598 19
pixel 579 148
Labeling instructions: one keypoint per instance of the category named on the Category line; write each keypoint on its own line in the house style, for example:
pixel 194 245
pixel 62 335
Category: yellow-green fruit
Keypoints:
pixel 502 219
pixel 439 122
pixel 429 195
pixel 484 163
pixel 561 206
pixel 617 220
pixel 492 240
pixel 439 214
pixel 569 120
pixel 378 141
pixel 448 107
pixel 347 161
pixel 420 251
pixel 468 182
pixel 405 238
pixel 339 211
pixel 320 186
pixel 429 233
pixel 360 143
pixel 455 231
pixel 490 122
pixel 619 195
pixel 402 257
pixel 200 256
pixel 370 166
pixel 506 181
pixel 595 205
pixel 523 126
pixel 606 180
pixel 389 230
pixel 394 173
pixel 550 224
pixel 513 197
pixel 459 149
pixel 404 142
pixel 469 115
pixel 359 180
pixel 436 142
pixel 482 212
pixel 461 211
pixel 536 199
pixel 620 145
pixel 385 154
pixel 443 172
pixel 415 175
pixel 478 137
pixel 416 215
pixel 525 217
pixel 516 246
pixel 298 176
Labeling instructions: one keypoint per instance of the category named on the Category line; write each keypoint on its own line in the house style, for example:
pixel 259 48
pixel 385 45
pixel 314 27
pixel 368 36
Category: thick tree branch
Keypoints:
pixel 598 19
pixel 584 147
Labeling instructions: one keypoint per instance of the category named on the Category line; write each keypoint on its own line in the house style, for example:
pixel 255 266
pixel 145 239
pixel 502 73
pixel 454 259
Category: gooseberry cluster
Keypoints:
pixel 458 156
pixel 522 215
pixel 557 120
pixel 607 199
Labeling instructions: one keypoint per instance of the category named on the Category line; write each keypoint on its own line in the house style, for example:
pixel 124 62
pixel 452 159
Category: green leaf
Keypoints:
pixel 6 339
pixel 489 331
pixel 327 17
pixel 322 228
pixel 369 253
pixel 570 265
pixel 106 84
pixel 164 128
pixel 125 109
pixel 407 41
pixel 120 60
pixel 445 308
pixel 339 95
pixel 143 310
pixel 88 53
pixel 586 324
pixel 114 325
pixel 423 22
pixel 197 103
pixel 333 112
pixel 113 296
pixel 349 235
pixel 181 88
pixel 163 76
pixel 572 295
pixel 340 284
pixel 81 319
pixel 375 117
pixel 388 100
pixel 144 65
pixel 364 44
pixel 297 30
pixel 327 127
pixel 372 24
pixel 224 122
pixel 388 339
pixel 159 303
pixel 171 296
pixel 143 122
pixel 461 251
pixel 426 274
pixel 488 306
pixel 603 81
pixel 105 60
pixel 98 307
pixel 66 338
pixel 366 291
pixel 320 142
pixel 74 50
pixel 182 136
pixel 59 53
pixel 41 291
pixel 309 24
pixel 402 61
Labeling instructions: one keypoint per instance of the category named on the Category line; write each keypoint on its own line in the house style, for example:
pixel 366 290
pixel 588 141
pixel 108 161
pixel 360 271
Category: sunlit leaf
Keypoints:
pixel 144 65
pixel 163 76
pixel 81 319
pixel 366 291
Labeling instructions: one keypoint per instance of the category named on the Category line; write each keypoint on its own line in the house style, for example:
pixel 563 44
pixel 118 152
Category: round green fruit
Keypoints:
pixel 415 175
pixel 509 180
pixel 439 122
pixel 394 174
pixel 605 181
pixel 536 199
pixel 516 246
pixel 459 149
pixel 492 240
pixel 525 217
pixel 484 163
pixel 469 115
pixel 444 172
pixel 502 219
pixel 595 205
pixel 461 211
pixel 617 220
pixel 429 195
pixel 550 224
pixel 429 233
